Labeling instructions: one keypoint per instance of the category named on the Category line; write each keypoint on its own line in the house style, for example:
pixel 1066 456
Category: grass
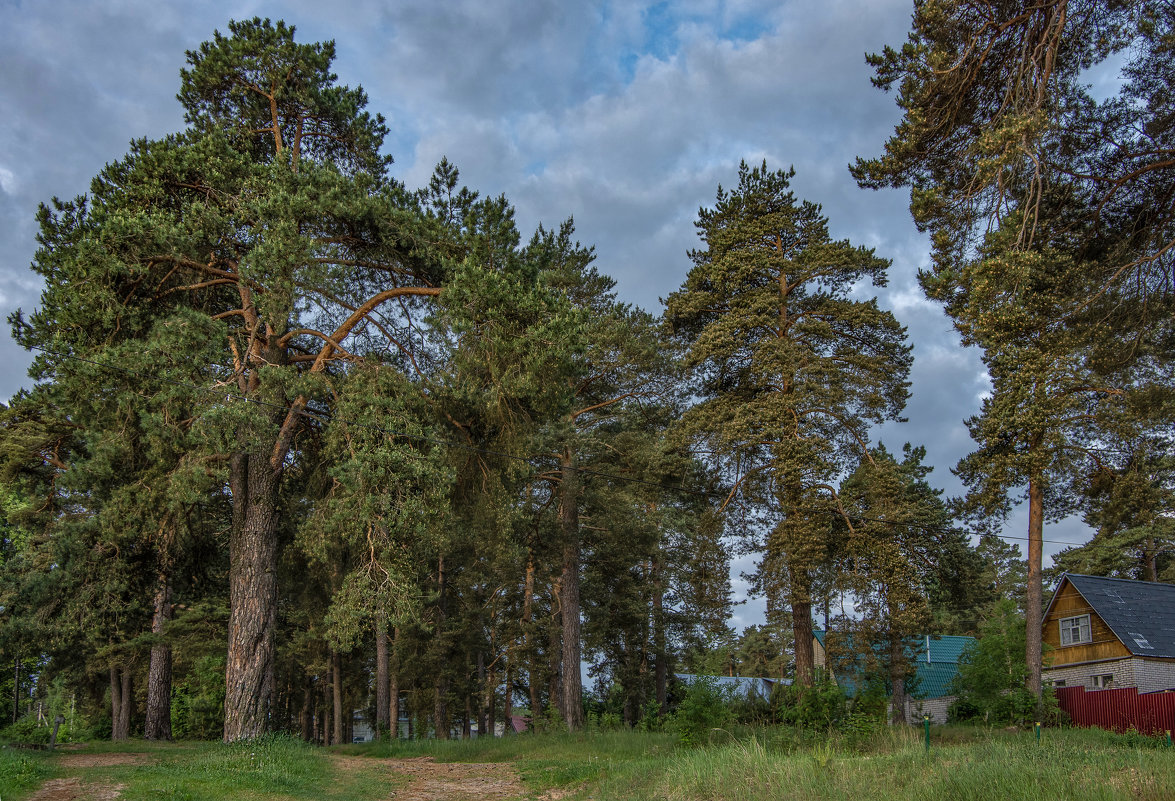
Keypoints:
pixel 265 770
pixel 22 771
pixel 740 765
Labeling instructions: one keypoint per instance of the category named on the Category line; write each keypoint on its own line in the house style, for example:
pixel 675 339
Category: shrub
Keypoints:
pixel 704 708
pixel 821 706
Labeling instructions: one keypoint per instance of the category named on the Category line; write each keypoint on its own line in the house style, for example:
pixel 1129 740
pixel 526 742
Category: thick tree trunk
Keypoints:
pixel 382 684
pixel 897 679
pixel 571 705
pixel 801 624
pixel 158 723
pixel 252 597
pixel 1034 603
pixel 336 686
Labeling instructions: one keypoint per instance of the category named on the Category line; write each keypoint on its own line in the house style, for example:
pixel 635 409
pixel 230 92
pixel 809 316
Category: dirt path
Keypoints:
pixel 451 781
pixel 73 788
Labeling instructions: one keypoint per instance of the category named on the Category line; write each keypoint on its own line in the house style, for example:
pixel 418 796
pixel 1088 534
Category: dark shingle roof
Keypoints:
pixel 1140 613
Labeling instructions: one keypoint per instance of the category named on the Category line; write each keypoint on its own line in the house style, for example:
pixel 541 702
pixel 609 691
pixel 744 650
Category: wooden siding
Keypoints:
pixel 1105 644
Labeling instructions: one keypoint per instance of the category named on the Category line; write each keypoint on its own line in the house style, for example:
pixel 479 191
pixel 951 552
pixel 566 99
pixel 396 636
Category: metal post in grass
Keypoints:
pixel 1038 731
pixel 926 728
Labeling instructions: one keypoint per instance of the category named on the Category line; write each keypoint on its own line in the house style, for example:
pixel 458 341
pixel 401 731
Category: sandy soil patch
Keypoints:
pixel 449 781
pixel 73 789
pixel 81 761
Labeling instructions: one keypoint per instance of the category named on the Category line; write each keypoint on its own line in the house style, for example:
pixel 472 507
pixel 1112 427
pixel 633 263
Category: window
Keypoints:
pixel 1140 640
pixel 1103 681
pixel 1058 682
pixel 1075 630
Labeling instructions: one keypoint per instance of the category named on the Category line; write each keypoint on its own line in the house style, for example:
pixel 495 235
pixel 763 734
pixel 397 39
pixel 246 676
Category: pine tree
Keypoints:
pixel 1050 216
pixel 789 369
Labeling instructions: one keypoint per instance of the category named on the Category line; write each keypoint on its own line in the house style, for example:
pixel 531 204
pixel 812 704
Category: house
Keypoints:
pixel 741 687
pixel 1104 632
pixel 935 660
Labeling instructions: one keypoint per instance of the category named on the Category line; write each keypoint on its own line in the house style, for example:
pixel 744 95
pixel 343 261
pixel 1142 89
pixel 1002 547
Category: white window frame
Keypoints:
pixel 1083 628
pixel 1102 681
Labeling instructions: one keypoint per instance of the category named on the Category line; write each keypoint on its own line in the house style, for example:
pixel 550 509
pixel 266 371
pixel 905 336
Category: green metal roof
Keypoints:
pixel 935 674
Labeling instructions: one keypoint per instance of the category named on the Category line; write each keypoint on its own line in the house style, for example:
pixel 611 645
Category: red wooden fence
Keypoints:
pixel 1119 710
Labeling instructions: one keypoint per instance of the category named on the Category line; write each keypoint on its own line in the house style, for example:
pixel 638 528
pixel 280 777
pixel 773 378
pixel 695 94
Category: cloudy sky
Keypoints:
pixel 625 116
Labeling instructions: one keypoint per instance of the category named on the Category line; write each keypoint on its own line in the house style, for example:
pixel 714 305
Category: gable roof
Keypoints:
pixel 1140 613
pixel 935 659
pixel 737 686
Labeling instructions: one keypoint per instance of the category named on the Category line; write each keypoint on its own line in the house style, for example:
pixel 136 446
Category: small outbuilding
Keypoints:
pixel 935 659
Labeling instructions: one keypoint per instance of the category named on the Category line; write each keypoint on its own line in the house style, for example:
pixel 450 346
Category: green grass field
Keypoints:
pixel 963 763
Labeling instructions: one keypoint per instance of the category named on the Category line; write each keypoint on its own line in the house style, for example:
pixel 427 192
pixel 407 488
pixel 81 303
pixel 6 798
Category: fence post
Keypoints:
pixel 926 727
pixel 1038 731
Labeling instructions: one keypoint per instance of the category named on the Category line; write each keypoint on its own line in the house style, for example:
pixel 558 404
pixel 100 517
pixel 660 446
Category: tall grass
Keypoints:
pixel 1065 765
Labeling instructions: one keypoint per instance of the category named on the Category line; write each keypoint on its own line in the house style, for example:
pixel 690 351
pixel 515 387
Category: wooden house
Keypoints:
pixel 1103 632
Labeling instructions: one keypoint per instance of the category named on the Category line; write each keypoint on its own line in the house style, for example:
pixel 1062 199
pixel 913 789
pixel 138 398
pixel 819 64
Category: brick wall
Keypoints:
pixel 1147 675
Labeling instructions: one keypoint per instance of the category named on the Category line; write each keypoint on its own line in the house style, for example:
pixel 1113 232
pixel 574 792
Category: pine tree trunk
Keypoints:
pixel 897 679
pixel 117 731
pixel 252 597
pixel 492 706
pixel 16 688
pixel 306 716
pixel 554 648
pixel 440 708
pixel 382 684
pixel 158 723
pixel 508 703
pixel 394 686
pixel 571 705
pixel 528 644
pixel 486 693
pixel 336 685
pixel 125 710
pixel 801 623
pixel 660 657
pixel 1034 603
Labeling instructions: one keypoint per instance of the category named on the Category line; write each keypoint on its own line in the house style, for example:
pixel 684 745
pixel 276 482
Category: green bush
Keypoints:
pixel 990 684
pixel 26 730
pixel 704 708
pixel 822 706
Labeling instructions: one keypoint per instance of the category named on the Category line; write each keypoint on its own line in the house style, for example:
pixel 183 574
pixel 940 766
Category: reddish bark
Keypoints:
pixel 253 549
pixel 158 723
pixel 571 703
